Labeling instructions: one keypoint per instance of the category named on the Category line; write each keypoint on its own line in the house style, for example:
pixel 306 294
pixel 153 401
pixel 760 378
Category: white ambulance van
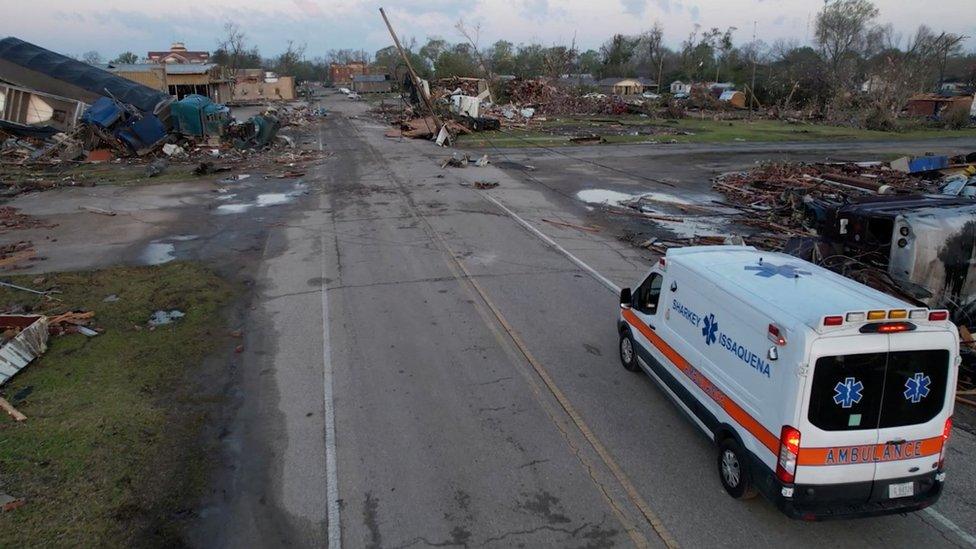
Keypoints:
pixel 830 398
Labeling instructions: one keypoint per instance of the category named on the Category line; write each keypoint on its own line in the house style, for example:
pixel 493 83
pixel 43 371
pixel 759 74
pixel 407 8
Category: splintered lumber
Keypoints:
pixel 14 413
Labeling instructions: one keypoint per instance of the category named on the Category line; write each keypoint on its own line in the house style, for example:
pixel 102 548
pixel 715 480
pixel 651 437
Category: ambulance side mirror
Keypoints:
pixel 626 297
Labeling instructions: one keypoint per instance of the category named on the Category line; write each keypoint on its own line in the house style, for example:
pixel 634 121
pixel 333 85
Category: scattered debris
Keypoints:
pixel 23 289
pixel 161 318
pixel 16 252
pixel 9 503
pixel 291 174
pixel 111 298
pixel 207 168
pixel 11 219
pixel 482 162
pixel 70 322
pixel 456 162
pixel 95 210
pixel 24 339
pixel 14 413
pixel 156 167
pixel 485 184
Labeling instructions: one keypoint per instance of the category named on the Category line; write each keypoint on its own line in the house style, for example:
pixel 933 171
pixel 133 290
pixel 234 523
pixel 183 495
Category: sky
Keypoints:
pixel 113 26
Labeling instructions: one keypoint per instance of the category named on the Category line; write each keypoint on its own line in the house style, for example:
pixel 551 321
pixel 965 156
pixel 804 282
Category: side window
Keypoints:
pixel 648 294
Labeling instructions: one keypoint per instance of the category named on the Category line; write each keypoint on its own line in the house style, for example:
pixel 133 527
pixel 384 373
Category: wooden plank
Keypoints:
pixel 7 407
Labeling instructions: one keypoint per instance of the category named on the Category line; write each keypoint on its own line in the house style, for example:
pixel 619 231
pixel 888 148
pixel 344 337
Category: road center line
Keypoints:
pixel 942 519
pixel 331 458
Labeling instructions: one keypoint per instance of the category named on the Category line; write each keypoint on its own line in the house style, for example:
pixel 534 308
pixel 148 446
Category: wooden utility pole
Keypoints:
pixel 413 76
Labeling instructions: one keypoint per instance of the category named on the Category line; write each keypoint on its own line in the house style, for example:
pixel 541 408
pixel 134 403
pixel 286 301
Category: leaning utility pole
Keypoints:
pixel 413 76
pixel 752 88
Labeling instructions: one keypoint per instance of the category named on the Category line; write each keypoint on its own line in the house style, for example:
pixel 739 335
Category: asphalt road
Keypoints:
pixel 422 369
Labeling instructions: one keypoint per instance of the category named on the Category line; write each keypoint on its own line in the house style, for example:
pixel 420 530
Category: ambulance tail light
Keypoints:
pixel 776 335
pixel 663 263
pixel 833 320
pixel 938 315
pixel 856 317
pixel 946 431
pixel 789 449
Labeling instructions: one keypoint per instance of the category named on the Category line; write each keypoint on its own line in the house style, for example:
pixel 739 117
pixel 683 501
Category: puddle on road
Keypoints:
pixel 163 250
pixel 615 198
pixel 234 208
pixel 274 199
pixel 157 253
pixel 603 196
pixel 263 200
pixel 690 226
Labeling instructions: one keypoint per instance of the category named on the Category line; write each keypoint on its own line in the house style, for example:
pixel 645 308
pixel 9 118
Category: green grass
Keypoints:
pixel 552 132
pixel 111 450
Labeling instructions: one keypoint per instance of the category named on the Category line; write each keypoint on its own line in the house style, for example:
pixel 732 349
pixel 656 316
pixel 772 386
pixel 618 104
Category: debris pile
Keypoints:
pixel 11 218
pixel 778 197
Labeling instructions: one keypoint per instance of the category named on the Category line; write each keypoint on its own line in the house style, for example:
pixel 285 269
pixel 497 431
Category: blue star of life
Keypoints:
pixel 917 387
pixel 769 270
pixel 711 326
pixel 848 392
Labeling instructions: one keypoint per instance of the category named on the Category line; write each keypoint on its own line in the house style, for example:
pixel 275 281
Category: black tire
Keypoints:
pixel 628 352
pixel 733 470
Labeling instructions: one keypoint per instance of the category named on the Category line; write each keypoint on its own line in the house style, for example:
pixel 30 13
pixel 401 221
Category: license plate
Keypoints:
pixel 902 490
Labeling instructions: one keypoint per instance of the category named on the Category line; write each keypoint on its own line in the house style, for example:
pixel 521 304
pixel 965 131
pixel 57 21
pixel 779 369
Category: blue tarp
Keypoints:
pixel 142 133
pixel 103 113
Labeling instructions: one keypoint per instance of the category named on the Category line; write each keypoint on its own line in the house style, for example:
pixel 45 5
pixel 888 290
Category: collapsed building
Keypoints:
pixel 58 90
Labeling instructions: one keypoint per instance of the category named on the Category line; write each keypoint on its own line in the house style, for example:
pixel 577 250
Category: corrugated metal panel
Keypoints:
pixel 27 59
pixel 29 344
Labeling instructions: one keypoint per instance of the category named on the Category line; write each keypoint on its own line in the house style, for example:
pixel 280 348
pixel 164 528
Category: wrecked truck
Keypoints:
pixel 926 243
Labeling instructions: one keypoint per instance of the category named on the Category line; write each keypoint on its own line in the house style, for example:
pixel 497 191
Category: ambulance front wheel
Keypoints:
pixel 628 352
pixel 733 470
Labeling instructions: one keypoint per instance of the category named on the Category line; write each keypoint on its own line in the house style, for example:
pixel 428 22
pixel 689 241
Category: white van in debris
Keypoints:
pixel 832 399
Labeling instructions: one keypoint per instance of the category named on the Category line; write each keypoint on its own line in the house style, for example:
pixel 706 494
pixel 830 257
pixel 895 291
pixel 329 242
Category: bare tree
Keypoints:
pixel 91 57
pixel 844 30
pixel 652 42
pixel 473 42
pixel 234 46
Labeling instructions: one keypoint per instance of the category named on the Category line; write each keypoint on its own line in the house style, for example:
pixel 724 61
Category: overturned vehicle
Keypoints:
pixel 925 245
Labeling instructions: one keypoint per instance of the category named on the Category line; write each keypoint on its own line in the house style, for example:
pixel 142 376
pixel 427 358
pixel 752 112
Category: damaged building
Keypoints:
pixel 44 89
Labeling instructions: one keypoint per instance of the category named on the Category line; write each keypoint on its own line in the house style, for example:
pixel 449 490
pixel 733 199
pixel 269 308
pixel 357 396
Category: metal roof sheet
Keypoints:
pixel 82 75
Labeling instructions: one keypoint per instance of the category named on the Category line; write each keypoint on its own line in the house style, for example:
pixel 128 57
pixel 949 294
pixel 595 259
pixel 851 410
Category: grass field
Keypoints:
pixel 557 131
pixel 110 453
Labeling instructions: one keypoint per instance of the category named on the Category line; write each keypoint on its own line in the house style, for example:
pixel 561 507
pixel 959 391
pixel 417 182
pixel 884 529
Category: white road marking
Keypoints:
pixel 968 538
pixel 579 262
pixel 942 519
pixel 331 459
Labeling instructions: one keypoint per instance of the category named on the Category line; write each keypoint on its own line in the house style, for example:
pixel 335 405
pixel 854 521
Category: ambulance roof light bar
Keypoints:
pixel 893 314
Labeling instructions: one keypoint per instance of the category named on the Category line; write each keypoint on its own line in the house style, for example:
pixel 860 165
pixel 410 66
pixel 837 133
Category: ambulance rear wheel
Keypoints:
pixel 628 352
pixel 733 470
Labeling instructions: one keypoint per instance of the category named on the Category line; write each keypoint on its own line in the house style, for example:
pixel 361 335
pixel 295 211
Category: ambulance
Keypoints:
pixel 830 398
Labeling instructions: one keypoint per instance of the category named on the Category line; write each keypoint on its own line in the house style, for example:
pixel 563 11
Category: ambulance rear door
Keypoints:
pixel 840 412
pixel 915 405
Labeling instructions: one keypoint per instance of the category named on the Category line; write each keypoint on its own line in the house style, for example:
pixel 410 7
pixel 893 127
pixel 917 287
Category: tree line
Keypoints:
pixel 850 48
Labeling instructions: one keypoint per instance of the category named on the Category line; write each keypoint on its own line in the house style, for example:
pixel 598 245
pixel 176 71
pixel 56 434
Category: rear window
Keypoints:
pixel 872 390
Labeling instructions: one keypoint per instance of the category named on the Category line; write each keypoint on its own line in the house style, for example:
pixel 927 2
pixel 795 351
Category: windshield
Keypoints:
pixel 878 390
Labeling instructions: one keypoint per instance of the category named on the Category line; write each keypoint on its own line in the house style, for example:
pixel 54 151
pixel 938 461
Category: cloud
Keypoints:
pixel 634 7
pixel 112 26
